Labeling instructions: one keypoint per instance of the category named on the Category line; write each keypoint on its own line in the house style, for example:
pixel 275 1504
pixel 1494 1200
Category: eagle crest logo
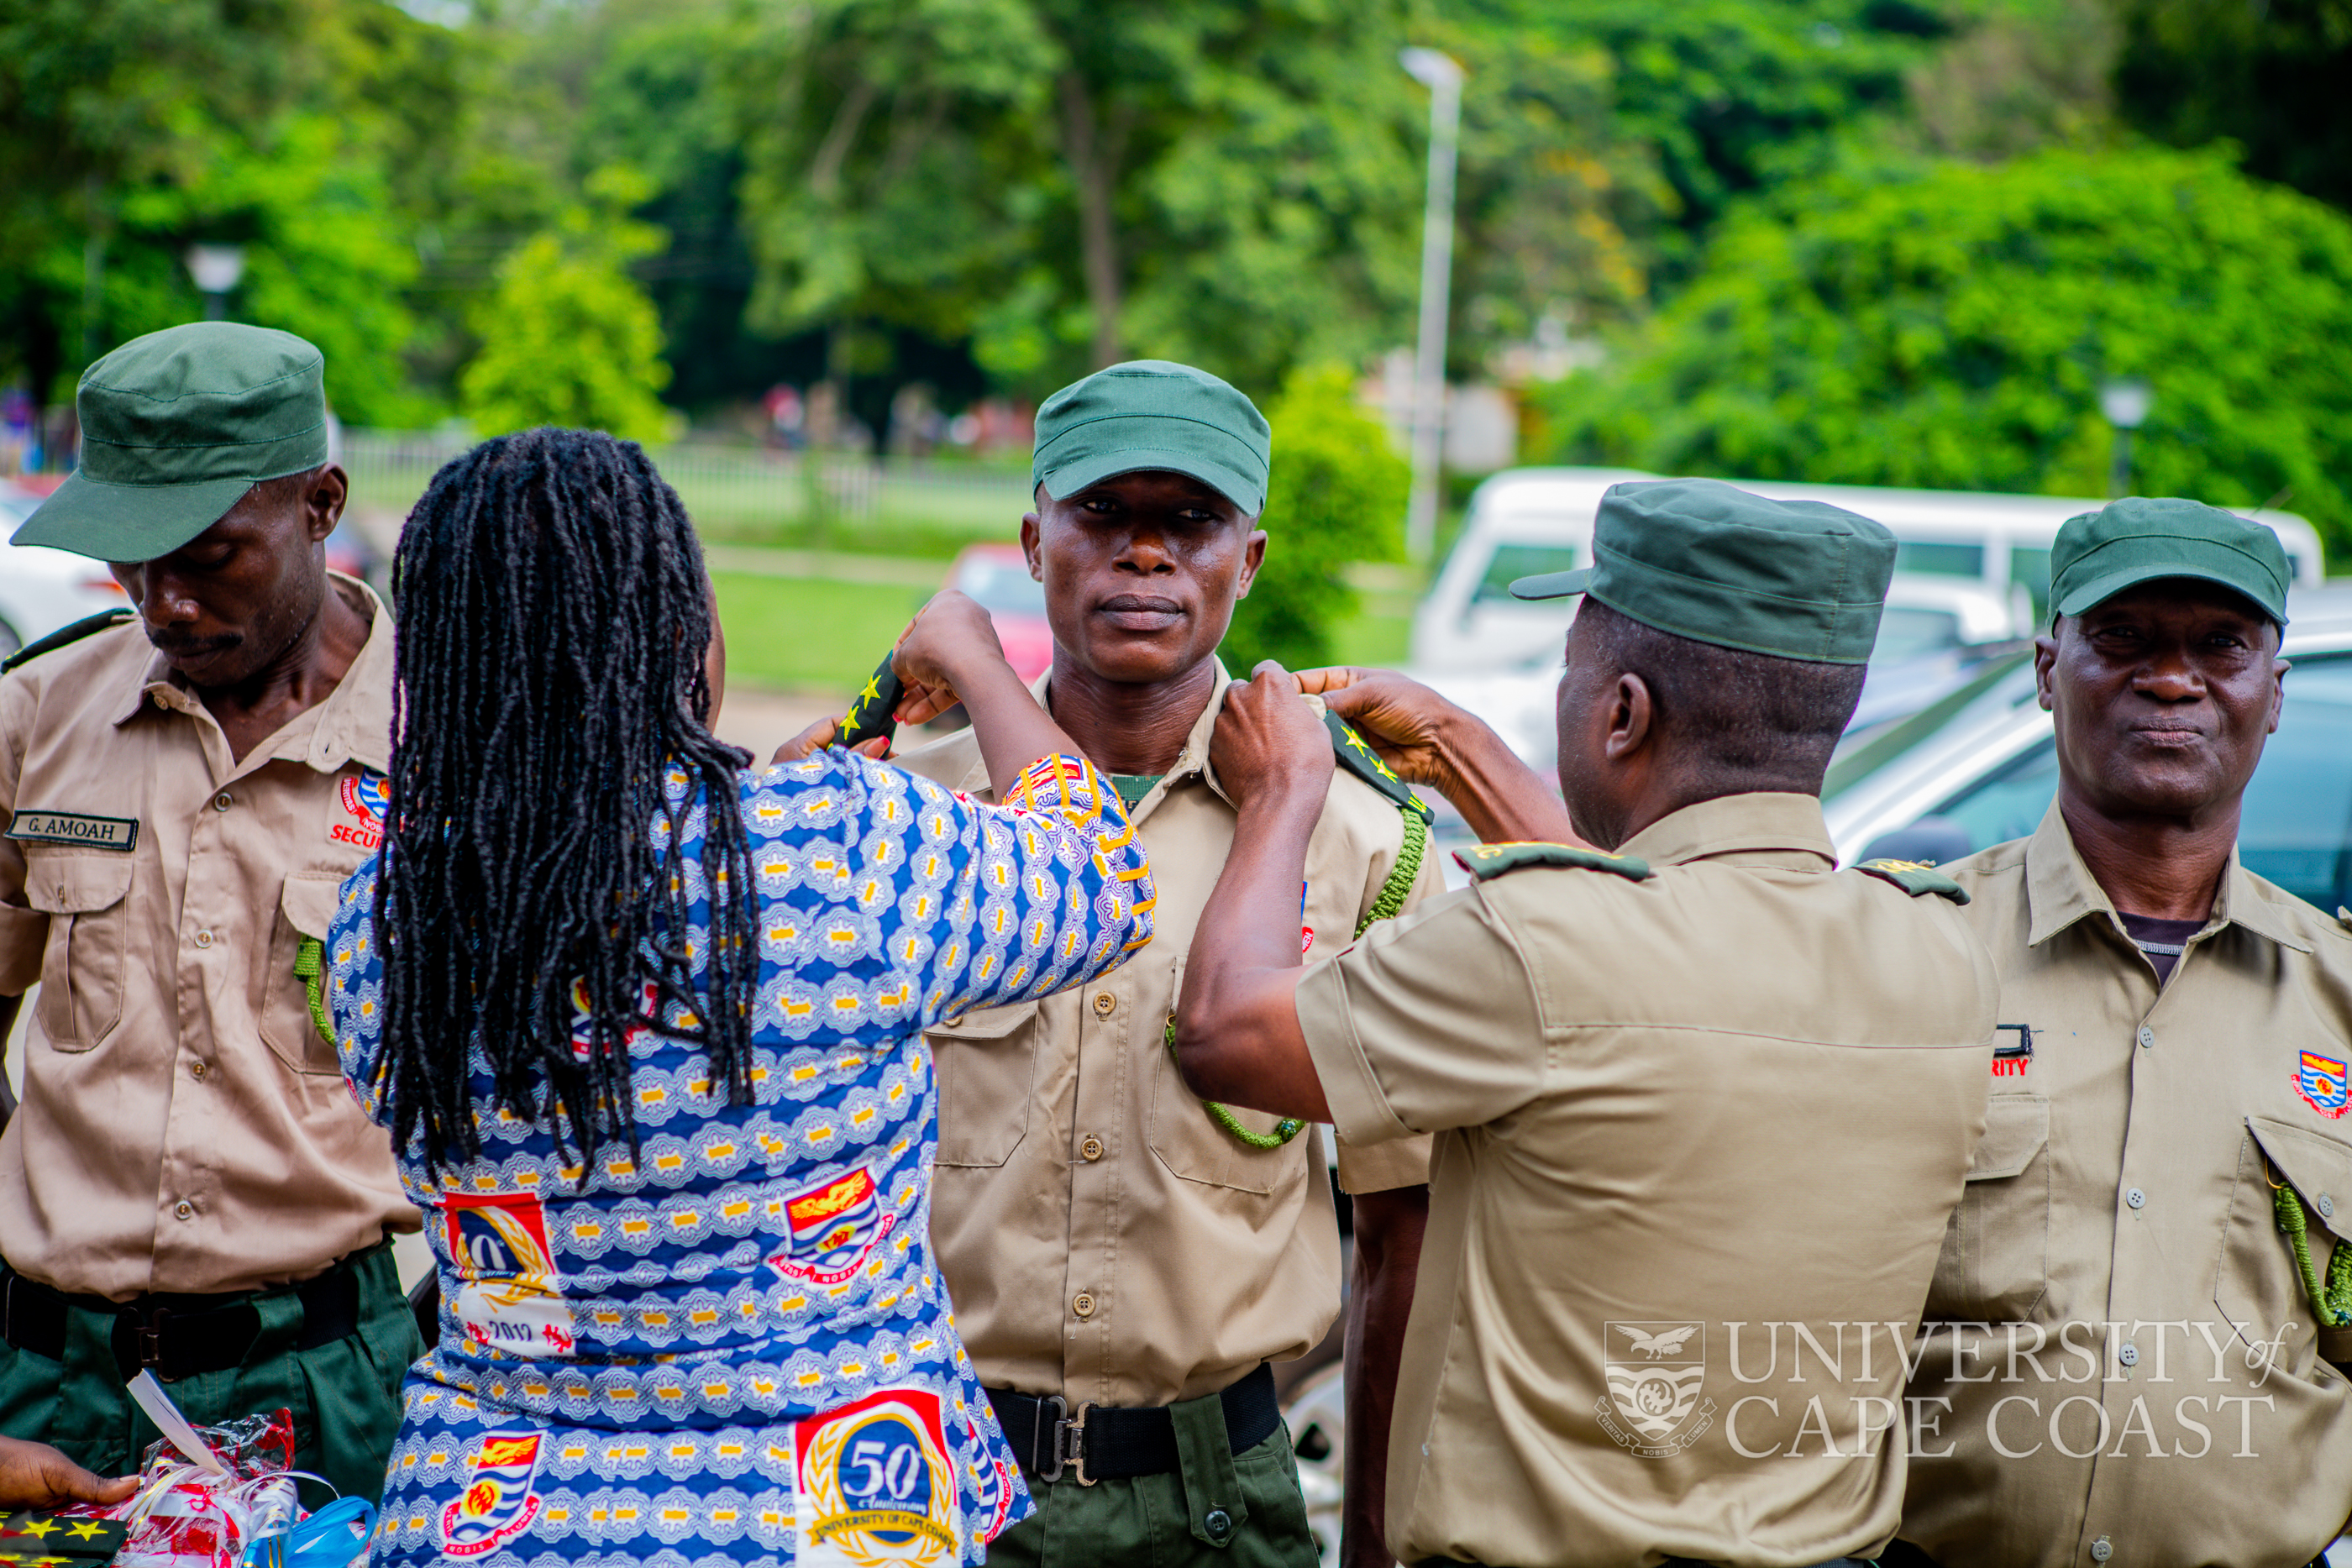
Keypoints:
pixel 1655 1372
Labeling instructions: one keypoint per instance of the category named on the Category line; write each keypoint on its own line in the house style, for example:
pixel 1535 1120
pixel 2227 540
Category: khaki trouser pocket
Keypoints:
pixel 85 896
pixel 1995 1265
pixel 281 1000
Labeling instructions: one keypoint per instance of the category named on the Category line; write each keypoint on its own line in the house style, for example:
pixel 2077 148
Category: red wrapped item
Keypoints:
pixel 183 1516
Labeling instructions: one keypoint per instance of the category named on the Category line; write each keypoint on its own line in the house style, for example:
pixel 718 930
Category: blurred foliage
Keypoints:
pixel 568 338
pixel 1951 327
pixel 2274 76
pixel 1335 494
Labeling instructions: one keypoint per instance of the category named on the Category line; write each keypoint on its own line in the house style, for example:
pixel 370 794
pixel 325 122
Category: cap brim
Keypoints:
pixel 128 522
pixel 1553 584
pixel 1069 478
pixel 2099 590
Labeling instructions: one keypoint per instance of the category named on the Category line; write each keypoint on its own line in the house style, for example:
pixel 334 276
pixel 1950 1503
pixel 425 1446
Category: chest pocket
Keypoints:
pixel 281 1000
pixel 1190 1144
pixel 2257 1285
pixel 987 1065
pixel 1995 1265
pixel 86 899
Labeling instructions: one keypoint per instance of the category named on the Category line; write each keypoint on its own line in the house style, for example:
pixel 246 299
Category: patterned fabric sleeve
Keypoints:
pixel 354 983
pixel 1052 888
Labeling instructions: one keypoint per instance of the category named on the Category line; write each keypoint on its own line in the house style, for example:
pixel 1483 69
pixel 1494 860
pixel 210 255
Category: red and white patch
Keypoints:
pixel 497 1504
pixel 510 1297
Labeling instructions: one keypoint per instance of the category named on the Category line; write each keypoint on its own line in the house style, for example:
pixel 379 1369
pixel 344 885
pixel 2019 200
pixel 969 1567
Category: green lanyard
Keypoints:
pixel 2330 1304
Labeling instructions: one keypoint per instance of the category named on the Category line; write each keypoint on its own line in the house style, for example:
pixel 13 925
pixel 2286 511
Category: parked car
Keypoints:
pixel 43 589
pixel 997 575
pixel 1981 767
pixel 1529 520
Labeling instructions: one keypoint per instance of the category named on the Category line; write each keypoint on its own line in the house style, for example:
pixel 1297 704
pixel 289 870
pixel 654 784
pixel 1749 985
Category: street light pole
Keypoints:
pixel 1442 76
pixel 216 269
pixel 2126 406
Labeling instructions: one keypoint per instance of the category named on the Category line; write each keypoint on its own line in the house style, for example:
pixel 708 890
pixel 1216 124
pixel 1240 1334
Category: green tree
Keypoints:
pixel 568 338
pixel 1952 328
pixel 1335 495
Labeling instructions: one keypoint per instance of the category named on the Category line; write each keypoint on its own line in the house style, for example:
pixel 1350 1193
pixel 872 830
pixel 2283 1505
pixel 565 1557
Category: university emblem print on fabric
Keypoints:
pixel 497 1504
pixel 874 1488
pixel 2320 1079
pixel 1654 1371
pixel 509 1298
pixel 836 1225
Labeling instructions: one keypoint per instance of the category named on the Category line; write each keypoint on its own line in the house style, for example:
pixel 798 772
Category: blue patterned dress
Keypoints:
pixel 736 1347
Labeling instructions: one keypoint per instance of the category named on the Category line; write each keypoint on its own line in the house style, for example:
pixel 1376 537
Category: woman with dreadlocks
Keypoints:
pixel 646 1028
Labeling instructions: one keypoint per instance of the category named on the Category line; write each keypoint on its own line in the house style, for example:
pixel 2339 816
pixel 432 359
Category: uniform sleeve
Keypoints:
pixel 1047 891
pixel 24 930
pixel 356 988
pixel 1430 1022
pixel 1400 1162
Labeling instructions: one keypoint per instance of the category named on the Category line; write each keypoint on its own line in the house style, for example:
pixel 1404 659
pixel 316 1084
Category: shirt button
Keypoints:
pixel 223 802
pixel 185 1209
pixel 2147 1037
pixel 2137 1198
pixel 1092 1148
pixel 2129 1355
pixel 198 1070
pixel 2101 1550
pixel 204 938
pixel 1105 1003
pixel 1083 1303
pixel 2327 1207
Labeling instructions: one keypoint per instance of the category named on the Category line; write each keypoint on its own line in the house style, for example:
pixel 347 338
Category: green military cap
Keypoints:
pixel 1151 413
pixel 1700 558
pixel 176 426
pixel 2099 554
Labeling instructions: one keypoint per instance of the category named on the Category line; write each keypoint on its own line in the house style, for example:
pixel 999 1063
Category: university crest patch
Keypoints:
pixel 1654 1372
pixel 365 795
pixel 835 1226
pixel 872 1485
pixel 510 1297
pixel 497 1504
pixel 2321 1080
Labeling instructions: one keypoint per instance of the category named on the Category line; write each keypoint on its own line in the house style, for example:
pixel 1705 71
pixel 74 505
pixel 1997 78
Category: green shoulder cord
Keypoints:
pixel 2331 1303
pixel 1352 754
pixel 311 968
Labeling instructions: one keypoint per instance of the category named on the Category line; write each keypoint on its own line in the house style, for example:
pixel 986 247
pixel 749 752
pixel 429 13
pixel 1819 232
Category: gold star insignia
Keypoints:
pixel 88 1529
pixel 41 1527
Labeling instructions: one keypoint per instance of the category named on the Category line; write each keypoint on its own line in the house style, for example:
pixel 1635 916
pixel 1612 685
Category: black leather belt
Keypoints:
pixel 179 1336
pixel 1110 1442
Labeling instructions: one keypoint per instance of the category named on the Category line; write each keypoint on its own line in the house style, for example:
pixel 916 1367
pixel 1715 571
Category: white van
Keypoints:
pixel 1530 520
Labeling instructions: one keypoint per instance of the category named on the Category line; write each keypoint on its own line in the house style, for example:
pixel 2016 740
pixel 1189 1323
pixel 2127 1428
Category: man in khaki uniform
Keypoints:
pixel 187 1186
pixel 1124 1260
pixel 2138 1332
pixel 1702 1106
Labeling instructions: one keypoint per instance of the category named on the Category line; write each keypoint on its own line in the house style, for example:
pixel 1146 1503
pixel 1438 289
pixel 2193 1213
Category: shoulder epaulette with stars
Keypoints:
pixel 1357 758
pixel 1917 878
pixel 869 713
pixel 64 636
pixel 1484 861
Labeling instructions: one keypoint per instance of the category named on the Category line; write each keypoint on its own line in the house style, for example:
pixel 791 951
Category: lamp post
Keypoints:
pixel 216 268
pixel 2125 404
pixel 1442 76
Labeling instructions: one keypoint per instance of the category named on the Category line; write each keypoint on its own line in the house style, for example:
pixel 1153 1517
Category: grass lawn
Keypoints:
pixel 800 635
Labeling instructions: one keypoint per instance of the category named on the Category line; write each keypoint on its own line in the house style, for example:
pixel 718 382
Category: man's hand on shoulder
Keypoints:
pixel 34 1475
pixel 1403 719
pixel 1268 746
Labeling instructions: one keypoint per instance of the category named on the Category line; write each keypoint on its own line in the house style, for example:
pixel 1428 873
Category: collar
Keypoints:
pixel 353 724
pixel 1193 758
pixel 1760 828
pixel 2061 891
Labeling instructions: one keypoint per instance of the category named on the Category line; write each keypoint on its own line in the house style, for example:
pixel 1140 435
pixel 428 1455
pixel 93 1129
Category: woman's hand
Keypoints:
pixel 820 735
pixel 948 636
pixel 1268 746
pixel 34 1475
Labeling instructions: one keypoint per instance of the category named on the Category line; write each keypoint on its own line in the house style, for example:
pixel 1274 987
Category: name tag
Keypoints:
pixel 73 828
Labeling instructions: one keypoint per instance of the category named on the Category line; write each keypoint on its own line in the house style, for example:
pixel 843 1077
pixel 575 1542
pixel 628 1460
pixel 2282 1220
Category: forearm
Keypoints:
pixel 1389 1227
pixel 1502 799
pixel 1012 729
pixel 9 1008
pixel 1237 1034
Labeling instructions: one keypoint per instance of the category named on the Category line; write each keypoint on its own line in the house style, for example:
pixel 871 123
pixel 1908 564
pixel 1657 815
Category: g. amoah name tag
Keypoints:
pixel 74 828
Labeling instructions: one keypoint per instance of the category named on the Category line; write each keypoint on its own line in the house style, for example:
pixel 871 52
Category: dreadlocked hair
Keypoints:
pixel 552 623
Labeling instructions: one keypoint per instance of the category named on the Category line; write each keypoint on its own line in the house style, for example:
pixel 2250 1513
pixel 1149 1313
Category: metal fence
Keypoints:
pixel 744 492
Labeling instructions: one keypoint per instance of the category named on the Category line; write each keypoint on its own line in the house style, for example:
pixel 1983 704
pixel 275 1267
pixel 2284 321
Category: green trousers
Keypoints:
pixel 1221 1510
pixel 345 1395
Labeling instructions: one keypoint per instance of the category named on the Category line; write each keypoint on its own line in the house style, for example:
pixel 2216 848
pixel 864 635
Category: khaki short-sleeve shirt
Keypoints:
pixel 184 1126
pixel 2119 1349
pixel 1699 1137
pixel 1103 1239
